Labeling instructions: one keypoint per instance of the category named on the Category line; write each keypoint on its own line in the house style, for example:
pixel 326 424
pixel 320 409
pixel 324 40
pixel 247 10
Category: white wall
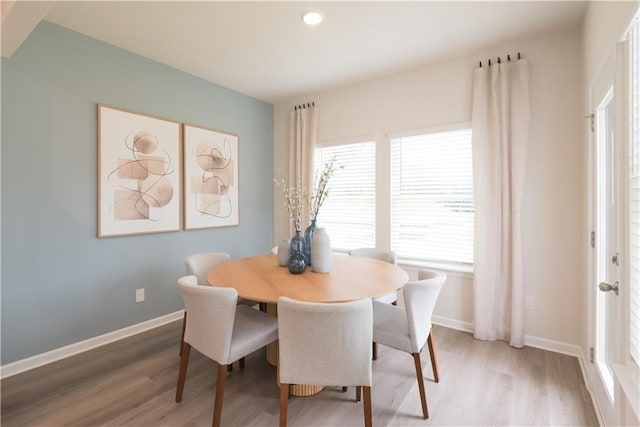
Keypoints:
pixel 440 94
pixel 604 25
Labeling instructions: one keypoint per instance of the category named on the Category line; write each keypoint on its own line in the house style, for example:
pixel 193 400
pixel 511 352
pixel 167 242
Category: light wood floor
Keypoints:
pixel 132 382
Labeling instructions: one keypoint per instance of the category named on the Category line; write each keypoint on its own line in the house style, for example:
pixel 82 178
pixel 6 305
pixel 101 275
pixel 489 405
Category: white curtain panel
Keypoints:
pixel 303 135
pixel 500 126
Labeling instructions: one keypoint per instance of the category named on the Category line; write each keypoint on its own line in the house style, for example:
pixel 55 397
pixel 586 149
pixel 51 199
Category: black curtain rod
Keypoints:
pixel 303 106
pixel 500 61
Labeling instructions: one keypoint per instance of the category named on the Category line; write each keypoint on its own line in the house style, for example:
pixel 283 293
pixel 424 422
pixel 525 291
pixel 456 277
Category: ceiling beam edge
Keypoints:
pixel 18 21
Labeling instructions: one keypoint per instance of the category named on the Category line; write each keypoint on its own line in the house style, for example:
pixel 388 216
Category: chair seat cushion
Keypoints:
pixel 252 330
pixel 390 326
pixel 388 299
pixel 244 301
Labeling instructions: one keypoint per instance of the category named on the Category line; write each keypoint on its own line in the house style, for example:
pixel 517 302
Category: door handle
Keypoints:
pixel 606 287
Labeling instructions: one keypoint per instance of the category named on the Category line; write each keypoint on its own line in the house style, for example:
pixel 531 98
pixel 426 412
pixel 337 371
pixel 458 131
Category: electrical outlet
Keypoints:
pixel 530 303
pixel 140 295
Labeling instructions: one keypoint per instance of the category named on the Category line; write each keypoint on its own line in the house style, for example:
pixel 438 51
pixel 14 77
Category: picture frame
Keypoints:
pixel 139 173
pixel 211 178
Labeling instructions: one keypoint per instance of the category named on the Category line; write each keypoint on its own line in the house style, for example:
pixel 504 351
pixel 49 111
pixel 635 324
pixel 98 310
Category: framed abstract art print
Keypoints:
pixel 138 173
pixel 211 191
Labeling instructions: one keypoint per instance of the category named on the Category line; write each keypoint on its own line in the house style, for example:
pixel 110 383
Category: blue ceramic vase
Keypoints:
pixel 297 263
pixel 308 239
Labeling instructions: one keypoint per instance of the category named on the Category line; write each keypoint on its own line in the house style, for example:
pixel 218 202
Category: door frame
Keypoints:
pixel 613 73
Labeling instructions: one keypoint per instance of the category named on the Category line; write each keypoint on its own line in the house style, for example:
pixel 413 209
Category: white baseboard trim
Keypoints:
pixel 555 346
pixel 530 341
pixel 584 368
pixel 450 323
pixel 38 360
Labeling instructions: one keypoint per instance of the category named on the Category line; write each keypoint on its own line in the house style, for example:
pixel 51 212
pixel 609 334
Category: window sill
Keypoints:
pixel 629 377
pixel 453 269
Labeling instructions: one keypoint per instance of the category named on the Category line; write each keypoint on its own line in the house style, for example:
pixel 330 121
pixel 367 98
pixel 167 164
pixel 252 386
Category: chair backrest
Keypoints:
pixel 325 344
pixel 419 300
pixel 210 317
pixel 382 255
pixel 200 264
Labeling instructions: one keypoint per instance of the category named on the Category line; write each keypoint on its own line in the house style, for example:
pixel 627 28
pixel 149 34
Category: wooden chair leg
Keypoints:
pixel 432 354
pixel 263 307
pixel 184 326
pixel 367 406
pixel 284 400
pixel 182 375
pixel 423 396
pixel 242 363
pixel 358 390
pixel 374 351
pixel 230 367
pixel 217 406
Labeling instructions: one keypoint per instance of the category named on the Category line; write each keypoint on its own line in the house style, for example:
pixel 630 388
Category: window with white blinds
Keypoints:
pixel 349 211
pixel 634 196
pixel 432 197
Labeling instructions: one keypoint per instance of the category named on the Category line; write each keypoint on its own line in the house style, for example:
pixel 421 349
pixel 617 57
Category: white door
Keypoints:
pixel 606 310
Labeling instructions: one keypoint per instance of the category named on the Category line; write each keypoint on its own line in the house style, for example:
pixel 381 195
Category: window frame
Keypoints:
pixel 463 269
pixel 382 142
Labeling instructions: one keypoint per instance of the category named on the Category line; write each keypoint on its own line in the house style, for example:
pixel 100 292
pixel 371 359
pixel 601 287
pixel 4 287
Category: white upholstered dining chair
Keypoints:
pixel 408 328
pixel 222 330
pixel 325 344
pixel 382 255
pixel 198 265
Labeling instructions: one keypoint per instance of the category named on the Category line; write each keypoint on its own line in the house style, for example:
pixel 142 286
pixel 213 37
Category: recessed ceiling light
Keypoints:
pixel 312 18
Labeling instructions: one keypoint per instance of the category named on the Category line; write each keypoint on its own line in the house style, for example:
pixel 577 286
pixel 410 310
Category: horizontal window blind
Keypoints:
pixel 348 212
pixel 634 196
pixel 432 197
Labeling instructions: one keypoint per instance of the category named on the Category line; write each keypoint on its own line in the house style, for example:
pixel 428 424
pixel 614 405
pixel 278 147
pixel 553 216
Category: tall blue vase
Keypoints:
pixel 308 239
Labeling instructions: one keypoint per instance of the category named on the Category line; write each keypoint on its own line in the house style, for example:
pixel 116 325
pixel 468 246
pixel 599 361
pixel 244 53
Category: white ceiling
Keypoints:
pixel 263 49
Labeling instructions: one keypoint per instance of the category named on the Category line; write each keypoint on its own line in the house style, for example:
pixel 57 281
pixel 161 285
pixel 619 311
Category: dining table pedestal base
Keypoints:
pixel 301 390
pixel 272 357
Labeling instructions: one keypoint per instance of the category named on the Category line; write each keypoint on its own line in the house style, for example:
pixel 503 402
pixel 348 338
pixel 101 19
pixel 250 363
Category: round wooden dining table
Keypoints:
pixel 260 278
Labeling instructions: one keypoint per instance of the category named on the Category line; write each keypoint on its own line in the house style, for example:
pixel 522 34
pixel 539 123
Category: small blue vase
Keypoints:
pixel 308 239
pixel 297 263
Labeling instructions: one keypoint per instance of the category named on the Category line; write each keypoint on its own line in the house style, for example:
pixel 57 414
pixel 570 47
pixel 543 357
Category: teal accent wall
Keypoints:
pixel 60 283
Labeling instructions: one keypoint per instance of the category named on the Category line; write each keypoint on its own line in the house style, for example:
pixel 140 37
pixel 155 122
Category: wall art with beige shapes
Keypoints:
pixel 138 173
pixel 210 178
